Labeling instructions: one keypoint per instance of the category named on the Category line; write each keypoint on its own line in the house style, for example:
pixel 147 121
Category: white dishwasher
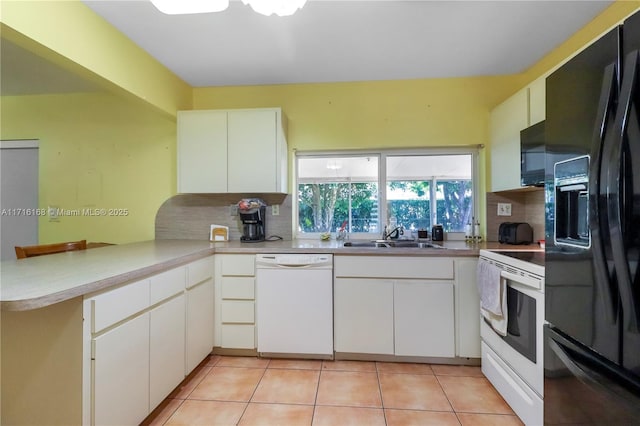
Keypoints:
pixel 294 303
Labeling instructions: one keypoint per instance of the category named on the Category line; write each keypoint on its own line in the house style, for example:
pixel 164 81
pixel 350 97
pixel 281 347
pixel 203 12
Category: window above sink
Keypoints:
pixel 363 190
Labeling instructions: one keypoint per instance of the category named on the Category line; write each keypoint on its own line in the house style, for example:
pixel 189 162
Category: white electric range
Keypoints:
pixel 513 363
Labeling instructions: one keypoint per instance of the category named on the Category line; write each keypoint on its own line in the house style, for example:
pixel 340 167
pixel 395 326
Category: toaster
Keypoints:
pixel 515 233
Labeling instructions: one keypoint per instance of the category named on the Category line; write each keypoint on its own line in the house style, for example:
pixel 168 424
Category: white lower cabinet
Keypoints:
pixel 145 337
pixel 199 323
pixel 423 317
pixel 235 301
pixel 406 306
pixel 121 374
pixel 363 315
pixel 467 309
pixel 166 348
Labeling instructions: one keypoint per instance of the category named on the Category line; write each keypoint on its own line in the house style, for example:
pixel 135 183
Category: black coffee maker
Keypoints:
pixel 253 225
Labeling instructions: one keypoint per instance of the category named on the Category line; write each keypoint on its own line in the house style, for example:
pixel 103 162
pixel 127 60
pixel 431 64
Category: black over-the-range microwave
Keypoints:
pixel 532 155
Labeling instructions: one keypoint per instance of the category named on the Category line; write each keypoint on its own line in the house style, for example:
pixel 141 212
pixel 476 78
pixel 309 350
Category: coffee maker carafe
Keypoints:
pixel 253 225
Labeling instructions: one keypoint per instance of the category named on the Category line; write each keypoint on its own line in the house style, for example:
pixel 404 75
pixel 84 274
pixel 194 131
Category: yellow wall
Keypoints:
pixel 382 114
pixel 71 35
pixel 410 113
pixel 96 151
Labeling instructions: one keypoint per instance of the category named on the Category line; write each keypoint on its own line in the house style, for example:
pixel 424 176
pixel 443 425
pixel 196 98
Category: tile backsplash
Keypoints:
pixel 526 206
pixel 189 216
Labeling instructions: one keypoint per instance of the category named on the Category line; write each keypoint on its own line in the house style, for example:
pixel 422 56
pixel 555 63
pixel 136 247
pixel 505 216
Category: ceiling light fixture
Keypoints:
pixel 279 7
pixel 263 7
pixel 183 7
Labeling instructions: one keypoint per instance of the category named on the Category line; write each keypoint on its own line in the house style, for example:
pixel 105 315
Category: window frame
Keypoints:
pixel 382 155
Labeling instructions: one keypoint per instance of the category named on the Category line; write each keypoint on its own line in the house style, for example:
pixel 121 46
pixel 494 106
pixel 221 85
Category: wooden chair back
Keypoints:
pixel 31 251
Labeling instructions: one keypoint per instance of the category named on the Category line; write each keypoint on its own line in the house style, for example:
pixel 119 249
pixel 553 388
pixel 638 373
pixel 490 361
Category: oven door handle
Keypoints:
pixel 519 279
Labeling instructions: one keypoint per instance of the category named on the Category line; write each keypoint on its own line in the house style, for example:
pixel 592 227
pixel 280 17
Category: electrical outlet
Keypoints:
pixel 275 210
pixel 233 210
pixel 504 209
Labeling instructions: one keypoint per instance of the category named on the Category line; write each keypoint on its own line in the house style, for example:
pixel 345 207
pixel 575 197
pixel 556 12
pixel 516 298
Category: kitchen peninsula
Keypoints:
pixel 53 318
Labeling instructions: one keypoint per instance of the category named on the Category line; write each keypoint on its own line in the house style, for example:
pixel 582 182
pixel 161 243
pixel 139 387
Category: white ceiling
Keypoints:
pixel 326 41
pixel 337 40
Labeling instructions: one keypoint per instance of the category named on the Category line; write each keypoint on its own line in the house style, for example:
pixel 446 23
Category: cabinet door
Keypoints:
pixel 121 374
pixel 252 151
pixel 363 318
pixel 199 323
pixel 202 151
pixel 537 99
pixel 468 312
pixel 424 318
pixel 507 120
pixel 167 348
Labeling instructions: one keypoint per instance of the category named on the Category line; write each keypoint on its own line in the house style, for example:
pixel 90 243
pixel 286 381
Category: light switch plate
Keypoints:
pixel 504 209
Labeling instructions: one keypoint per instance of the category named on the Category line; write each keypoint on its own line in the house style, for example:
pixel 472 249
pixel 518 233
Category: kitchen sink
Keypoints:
pixel 393 244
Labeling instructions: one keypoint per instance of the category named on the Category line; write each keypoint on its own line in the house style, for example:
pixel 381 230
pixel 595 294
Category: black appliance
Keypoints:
pixel 532 155
pixel 592 258
pixel 515 233
pixel 437 233
pixel 253 225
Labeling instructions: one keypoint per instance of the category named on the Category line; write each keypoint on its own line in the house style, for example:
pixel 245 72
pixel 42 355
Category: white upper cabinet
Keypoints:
pixel 202 151
pixel 537 99
pixel 232 151
pixel 525 108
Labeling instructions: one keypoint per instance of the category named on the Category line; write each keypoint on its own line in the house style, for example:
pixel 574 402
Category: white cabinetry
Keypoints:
pixel 121 374
pixel 394 305
pixel 202 151
pixel 507 120
pixel 235 301
pixel 235 151
pixel 200 311
pixel 423 318
pixel 523 109
pixel 363 315
pixel 166 348
pixel 120 355
pixel 537 100
pixel 146 336
pixel 467 308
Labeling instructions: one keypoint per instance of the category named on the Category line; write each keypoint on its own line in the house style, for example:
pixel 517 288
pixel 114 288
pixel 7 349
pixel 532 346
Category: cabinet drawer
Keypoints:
pixel 393 267
pixel 242 265
pixel 238 288
pixel 200 270
pixel 115 305
pixel 238 336
pixel 166 284
pixel 235 311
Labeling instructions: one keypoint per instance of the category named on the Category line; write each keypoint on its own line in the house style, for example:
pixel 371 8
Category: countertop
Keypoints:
pixel 45 280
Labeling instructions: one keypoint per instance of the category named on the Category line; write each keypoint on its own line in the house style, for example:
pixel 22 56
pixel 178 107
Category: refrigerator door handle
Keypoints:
pixel 593 372
pixel 598 222
pixel 615 199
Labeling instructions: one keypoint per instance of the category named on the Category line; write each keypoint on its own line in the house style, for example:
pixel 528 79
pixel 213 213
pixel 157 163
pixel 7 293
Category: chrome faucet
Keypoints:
pixel 397 231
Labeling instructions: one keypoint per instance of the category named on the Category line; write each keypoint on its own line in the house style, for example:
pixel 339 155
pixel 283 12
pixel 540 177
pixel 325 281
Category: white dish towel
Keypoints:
pixel 493 296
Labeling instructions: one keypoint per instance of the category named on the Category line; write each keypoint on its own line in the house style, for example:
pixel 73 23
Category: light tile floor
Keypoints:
pixel 253 391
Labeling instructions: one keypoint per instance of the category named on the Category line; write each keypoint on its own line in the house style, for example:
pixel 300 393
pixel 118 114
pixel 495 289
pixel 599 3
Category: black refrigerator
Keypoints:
pixel 592 255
